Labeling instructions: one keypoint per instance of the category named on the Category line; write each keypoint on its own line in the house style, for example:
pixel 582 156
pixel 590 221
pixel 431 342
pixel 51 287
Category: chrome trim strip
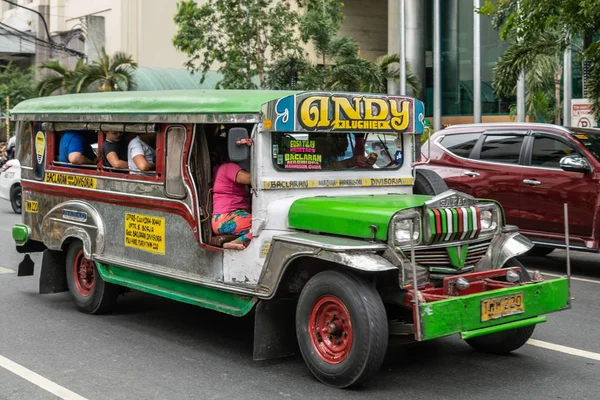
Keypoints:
pixel 329 242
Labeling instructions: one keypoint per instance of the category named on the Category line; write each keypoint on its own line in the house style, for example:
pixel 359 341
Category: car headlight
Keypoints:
pixel 490 218
pixel 404 224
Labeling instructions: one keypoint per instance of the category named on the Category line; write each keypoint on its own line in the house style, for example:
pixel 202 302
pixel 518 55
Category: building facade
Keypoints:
pixel 145 28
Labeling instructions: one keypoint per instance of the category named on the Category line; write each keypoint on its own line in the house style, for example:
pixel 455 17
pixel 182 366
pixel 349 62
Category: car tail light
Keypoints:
pixel 5 167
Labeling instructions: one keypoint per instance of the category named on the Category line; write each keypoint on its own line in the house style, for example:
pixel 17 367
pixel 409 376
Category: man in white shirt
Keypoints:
pixel 141 155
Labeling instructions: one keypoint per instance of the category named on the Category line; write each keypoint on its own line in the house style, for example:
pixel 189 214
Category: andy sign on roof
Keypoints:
pixel 347 112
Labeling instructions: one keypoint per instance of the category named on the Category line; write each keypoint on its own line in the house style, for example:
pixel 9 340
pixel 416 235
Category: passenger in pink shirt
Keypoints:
pixel 231 205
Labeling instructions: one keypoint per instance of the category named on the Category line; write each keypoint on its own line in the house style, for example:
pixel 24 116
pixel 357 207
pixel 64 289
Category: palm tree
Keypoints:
pixel 542 63
pixel 390 72
pixel 110 73
pixel 58 77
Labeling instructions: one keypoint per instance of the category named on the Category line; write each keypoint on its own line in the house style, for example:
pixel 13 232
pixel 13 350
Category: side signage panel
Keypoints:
pixel 344 112
pixel 39 152
pixel 145 232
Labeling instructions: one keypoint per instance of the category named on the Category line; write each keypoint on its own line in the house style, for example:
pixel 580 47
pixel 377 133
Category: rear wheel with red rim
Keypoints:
pixel 90 293
pixel 342 328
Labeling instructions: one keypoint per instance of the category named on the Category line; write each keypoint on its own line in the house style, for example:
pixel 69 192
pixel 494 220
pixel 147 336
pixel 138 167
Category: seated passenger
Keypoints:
pixel 231 205
pixel 114 153
pixel 75 148
pixel 141 155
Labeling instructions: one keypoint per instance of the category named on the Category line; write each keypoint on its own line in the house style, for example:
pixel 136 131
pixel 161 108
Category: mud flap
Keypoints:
pixel 53 275
pixel 26 266
pixel 274 329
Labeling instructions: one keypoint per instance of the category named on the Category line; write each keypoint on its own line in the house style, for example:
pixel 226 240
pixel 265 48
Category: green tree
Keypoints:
pixel 525 23
pixel 105 74
pixel 241 38
pixel 57 76
pixel 341 67
pixel 543 74
pixel 16 83
pixel 112 73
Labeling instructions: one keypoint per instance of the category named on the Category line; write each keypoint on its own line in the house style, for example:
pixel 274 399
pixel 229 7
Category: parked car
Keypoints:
pixel 10 184
pixel 532 170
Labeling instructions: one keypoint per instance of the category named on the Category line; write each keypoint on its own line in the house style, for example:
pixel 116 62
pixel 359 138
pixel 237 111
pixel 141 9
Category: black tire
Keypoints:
pixel 91 294
pixel 360 341
pixel 507 341
pixel 502 342
pixel 538 251
pixel 428 182
pixel 15 199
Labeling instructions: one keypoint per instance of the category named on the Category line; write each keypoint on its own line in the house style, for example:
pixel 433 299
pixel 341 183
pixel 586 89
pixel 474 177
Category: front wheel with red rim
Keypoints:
pixel 90 293
pixel 342 328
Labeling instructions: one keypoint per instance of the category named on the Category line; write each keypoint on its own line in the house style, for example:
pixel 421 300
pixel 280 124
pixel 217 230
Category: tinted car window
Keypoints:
pixel 462 144
pixel 501 148
pixel 547 152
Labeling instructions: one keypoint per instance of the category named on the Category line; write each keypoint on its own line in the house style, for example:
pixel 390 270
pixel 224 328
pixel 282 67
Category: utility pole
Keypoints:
pixel 7 118
pixel 437 68
pixel 476 62
pixel 402 38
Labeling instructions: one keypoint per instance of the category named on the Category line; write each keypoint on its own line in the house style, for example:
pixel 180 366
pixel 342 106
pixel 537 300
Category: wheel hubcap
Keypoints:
pixel 83 274
pixel 330 329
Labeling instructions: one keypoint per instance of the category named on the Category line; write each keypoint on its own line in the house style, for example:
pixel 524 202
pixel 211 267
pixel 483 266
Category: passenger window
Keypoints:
pixel 547 152
pixel 460 145
pixel 502 149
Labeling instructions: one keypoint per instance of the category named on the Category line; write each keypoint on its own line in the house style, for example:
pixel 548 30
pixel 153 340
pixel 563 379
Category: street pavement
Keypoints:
pixel 153 348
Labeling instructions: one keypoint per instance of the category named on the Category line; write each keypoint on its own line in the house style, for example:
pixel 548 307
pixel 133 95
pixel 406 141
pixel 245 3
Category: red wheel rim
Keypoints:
pixel 83 274
pixel 330 329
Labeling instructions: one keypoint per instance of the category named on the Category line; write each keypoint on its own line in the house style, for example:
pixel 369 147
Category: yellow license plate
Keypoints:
pixel 499 307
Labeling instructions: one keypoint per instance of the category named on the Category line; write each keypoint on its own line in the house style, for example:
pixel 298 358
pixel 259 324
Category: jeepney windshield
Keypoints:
pixel 332 151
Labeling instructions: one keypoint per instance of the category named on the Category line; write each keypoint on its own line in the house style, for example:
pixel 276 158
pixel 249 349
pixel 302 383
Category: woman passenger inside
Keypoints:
pixel 114 153
pixel 231 204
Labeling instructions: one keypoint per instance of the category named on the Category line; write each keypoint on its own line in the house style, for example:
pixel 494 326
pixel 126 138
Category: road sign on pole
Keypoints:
pixel 582 115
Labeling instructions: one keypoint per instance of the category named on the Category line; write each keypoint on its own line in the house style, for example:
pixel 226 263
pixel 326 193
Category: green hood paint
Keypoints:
pixel 351 215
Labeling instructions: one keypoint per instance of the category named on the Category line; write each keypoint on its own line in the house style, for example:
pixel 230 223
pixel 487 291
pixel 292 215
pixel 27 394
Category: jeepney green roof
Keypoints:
pixel 111 105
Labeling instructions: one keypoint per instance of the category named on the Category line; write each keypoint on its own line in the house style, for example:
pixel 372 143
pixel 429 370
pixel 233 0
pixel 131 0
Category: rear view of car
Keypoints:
pixel 10 184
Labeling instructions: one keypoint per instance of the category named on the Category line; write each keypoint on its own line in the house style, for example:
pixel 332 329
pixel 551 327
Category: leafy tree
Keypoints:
pixel 543 73
pixel 16 83
pixel 110 73
pixel 525 23
pixel 57 76
pixel 341 68
pixel 242 38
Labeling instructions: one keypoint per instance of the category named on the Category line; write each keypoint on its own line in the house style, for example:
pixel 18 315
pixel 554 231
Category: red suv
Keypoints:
pixel 532 170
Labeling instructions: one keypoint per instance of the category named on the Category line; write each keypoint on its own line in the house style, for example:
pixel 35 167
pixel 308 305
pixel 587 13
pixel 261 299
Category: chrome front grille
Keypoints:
pixel 438 259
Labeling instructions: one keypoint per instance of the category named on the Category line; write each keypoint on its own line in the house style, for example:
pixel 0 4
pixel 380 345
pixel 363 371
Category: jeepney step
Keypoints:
pixel 401 328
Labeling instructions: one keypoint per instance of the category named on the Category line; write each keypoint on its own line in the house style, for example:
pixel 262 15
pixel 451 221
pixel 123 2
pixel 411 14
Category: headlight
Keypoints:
pixel 490 218
pixel 405 223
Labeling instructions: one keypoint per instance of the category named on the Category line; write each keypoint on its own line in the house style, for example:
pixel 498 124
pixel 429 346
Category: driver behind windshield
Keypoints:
pixel 338 153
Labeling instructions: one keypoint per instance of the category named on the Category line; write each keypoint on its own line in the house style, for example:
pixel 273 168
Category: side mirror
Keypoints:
pixel 237 152
pixel 575 163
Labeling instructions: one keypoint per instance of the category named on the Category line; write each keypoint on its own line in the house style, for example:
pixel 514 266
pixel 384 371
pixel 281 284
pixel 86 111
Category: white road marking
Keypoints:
pixel 39 380
pixel 575 279
pixel 6 271
pixel 564 349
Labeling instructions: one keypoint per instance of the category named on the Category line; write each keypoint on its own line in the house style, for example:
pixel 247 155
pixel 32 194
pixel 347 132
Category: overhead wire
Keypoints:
pixel 50 42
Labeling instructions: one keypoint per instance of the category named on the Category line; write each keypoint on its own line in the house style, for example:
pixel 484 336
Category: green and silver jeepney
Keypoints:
pixel 351 243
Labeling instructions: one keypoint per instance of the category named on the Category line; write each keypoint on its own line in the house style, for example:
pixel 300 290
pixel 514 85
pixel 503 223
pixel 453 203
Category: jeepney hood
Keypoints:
pixel 350 215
